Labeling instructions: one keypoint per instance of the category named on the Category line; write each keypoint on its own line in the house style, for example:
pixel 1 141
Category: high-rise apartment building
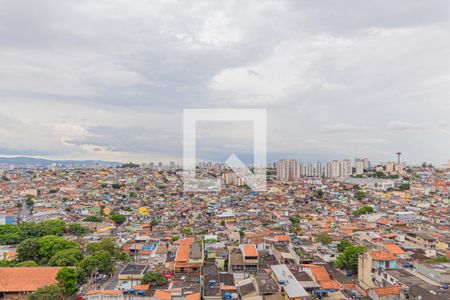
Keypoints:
pixel 346 168
pixel 390 166
pixel 328 168
pixel 366 163
pixel 288 170
pixel 335 169
pixel 359 166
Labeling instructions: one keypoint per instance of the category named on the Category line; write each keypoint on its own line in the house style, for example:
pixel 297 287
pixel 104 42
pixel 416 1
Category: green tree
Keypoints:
pixel 27 263
pixel 48 292
pixel 365 210
pixel 93 219
pixel 175 238
pixel 77 229
pixel 28 250
pixel 100 261
pixel 10 238
pixel 320 194
pixel 154 278
pixel 67 280
pixel 154 223
pixel 324 239
pixel 116 185
pixel 122 256
pixel 187 230
pixel 360 195
pixel 52 227
pixel 81 275
pixel 106 244
pixel 67 257
pixel 29 201
pixel 439 259
pixel 118 219
pixel 349 258
pixel 344 244
pixel 51 244
pixel 404 186
pixel 294 220
pixel 6 263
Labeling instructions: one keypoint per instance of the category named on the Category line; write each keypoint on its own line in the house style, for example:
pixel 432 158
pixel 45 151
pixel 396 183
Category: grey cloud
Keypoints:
pixel 325 72
pixel 401 126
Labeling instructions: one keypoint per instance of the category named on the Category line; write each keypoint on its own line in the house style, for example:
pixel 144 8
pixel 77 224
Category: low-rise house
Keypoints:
pixel 290 287
pixel 18 283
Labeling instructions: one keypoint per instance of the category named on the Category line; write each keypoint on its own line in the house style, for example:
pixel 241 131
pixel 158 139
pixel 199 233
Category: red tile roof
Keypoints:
pixel 104 292
pixel 26 279
pixel 250 250
pixel 183 253
pixel 382 255
pixel 162 295
pixel 393 248
pixel 388 290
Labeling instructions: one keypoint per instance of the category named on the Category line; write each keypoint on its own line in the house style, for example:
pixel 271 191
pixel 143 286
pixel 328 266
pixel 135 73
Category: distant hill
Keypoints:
pixel 23 160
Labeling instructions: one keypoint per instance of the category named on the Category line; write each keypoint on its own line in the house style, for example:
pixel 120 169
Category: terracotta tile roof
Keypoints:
pixel 389 235
pixel 183 253
pixel 383 221
pixel 282 238
pixel 330 284
pixel 195 296
pixel 185 242
pixel 388 290
pixel 162 295
pixel 141 287
pixel 382 255
pixel 228 288
pixel 250 250
pixel 321 275
pixel 319 272
pixel 26 279
pixel 393 248
pixel 104 292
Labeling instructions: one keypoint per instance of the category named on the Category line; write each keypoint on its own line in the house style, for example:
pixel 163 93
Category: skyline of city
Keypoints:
pixel 224 150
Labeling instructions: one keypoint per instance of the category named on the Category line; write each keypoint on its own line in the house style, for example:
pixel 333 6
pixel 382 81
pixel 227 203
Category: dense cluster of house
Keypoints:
pixel 239 244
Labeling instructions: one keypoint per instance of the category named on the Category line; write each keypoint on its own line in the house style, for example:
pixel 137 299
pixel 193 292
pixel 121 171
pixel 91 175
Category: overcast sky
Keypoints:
pixel 339 79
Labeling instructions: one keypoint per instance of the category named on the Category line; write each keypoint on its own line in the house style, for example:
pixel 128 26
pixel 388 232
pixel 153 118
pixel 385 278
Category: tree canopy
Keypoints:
pixel 154 278
pixel 349 258
pixel 118 219
pixel 48 292
pixel 324 239
pixel 14 234
pixel 51 244
pixel 105 244
pixel 100 261
pixel 344 244
pixel 66 257
pixel 28 250
pixel 364 210
pixel 67 280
